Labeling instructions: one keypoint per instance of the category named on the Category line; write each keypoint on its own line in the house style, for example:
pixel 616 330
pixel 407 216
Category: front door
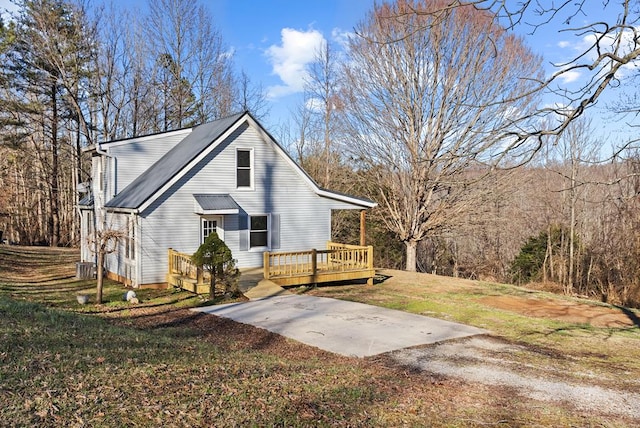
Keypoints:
pixel 211 223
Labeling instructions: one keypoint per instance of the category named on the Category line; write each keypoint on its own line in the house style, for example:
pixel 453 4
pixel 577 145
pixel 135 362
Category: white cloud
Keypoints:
pixel 569 76
pixel 290 59
pixel 584 50
pixel 314 105
pixel 341 37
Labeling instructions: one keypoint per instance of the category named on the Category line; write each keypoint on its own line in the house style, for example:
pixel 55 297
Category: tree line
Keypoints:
pixel 434 109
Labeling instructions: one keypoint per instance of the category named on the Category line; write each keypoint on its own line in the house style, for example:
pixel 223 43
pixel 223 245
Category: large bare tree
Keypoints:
pixel 322 88
pixel 610 49
pixel 433 94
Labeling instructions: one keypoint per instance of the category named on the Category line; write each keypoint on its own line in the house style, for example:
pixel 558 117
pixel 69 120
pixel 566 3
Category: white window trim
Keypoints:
pixel 219 226
pixel 130 239
pixel 268 246
pixel 251 169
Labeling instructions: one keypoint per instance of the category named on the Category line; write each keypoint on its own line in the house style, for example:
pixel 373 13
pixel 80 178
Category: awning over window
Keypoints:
pixel 215 204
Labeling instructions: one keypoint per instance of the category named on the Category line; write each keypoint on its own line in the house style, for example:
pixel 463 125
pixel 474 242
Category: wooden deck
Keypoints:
pixel 339 262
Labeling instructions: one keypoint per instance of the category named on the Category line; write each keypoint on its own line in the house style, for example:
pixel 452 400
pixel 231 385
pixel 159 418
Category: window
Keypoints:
pixel 208 226
pixel 259 231
pixel 130 240
pixel 243 164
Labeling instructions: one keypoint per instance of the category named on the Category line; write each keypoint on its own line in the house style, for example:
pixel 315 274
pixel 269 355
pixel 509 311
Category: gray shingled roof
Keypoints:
pixel 216 202
pixel 87 201
pixel 160 173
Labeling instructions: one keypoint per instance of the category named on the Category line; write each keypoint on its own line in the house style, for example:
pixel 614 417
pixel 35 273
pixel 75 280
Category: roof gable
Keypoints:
pixel 149 185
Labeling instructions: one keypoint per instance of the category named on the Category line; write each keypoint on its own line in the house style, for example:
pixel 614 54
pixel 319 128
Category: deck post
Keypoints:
pixel 171 266
pixel 314 265
pixel 363 228
pixel 314 261
pixel 265 264
pixel 370 263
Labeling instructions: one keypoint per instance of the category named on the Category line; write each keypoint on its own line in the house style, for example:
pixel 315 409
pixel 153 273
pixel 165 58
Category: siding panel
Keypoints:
pixel 135 156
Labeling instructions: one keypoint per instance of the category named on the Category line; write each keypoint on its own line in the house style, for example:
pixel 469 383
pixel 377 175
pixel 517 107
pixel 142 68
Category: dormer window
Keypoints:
pixel 244 170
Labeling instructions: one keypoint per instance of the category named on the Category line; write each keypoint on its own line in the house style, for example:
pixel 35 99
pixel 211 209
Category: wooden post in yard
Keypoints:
pixel 363 228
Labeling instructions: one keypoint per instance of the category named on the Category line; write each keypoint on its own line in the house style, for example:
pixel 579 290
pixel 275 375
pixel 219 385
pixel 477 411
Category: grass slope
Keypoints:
pixel 159 364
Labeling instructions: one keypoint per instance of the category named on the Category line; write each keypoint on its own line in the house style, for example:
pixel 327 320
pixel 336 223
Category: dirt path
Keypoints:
pixel 569 311
pixel 562 310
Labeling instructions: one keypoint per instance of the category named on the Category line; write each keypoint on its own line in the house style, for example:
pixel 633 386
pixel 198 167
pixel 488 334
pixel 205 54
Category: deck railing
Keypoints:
pixel 181 264
pixel 338 262
pixel 335 259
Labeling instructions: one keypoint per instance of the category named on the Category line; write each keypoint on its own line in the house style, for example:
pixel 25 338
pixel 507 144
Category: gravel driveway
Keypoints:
pixel 486 360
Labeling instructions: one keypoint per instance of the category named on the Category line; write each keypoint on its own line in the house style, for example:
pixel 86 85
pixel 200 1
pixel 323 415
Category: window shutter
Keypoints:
pixel 275 231
pixel 243 230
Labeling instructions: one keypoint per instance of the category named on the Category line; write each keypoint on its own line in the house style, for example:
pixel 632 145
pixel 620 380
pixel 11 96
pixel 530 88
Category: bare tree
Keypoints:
pixel 322 90
pixel 427 111
pixel 193 68
pixel 296 133
pixel 611 47
pixel 576 150
pixel 103 242
pixel 252 97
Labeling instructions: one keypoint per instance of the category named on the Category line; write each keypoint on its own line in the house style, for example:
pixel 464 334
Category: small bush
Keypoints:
pixel 215 257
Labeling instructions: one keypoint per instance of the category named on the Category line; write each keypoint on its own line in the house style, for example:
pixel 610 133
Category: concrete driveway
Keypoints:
pixel 341 327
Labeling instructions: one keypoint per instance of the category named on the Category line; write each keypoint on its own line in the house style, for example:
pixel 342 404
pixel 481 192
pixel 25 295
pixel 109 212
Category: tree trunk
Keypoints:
pixel 212 286
pixel 412 247
pixel 54 206
pixel 100 275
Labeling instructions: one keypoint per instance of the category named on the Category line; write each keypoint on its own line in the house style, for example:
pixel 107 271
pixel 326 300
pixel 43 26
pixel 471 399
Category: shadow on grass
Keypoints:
pixel 377 280
pixel 633 317
pixel 59 286
pixel 606 332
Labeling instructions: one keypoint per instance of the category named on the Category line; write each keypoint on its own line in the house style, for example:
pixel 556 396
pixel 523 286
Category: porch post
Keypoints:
pixel 265 265
pixel 171 266
pixel 363 228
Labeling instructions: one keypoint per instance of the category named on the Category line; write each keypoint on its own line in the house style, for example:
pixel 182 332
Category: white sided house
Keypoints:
pixel 171 190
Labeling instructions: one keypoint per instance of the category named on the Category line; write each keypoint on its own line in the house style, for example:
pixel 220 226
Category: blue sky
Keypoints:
pixel 274 40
